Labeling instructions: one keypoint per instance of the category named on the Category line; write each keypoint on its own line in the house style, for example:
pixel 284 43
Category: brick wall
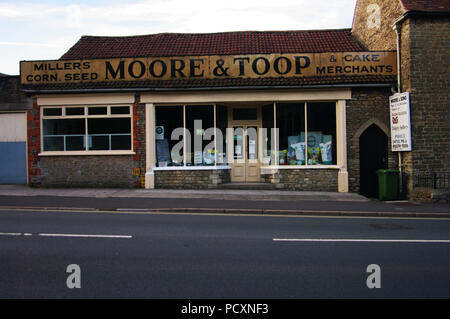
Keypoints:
pixel 139 143
pixel 34 145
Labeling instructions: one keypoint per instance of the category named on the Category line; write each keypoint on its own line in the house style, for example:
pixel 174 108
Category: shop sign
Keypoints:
pixel 400 122
pixel 208 67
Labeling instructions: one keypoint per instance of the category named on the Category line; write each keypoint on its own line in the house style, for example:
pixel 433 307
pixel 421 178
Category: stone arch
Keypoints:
pixel 369 123
pixel 354 151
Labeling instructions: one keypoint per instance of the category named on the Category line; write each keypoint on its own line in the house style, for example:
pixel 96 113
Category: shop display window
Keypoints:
pixel 169 135
pixel 268 135
pixel 321 133
pixel 291 130
pixel 307 133
pixel 185 135
pixel 200 148
pixel 221 141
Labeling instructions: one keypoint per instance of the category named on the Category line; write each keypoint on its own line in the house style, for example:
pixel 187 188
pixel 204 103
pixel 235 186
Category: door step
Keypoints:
pixel 248 186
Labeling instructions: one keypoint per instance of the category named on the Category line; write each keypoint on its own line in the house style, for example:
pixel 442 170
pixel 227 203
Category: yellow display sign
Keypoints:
pixel 209 67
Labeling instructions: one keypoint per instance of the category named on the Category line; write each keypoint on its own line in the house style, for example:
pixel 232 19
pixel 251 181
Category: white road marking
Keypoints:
pixel 87 236
pixel 69 235
pixel 312 216
pixel 344 240
pixel 10 234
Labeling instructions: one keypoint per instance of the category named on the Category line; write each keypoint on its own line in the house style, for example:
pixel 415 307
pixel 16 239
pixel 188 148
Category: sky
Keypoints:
pixel 46 29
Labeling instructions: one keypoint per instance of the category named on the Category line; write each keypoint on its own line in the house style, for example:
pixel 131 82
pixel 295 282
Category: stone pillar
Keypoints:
pixel 150 146
pixel 341 132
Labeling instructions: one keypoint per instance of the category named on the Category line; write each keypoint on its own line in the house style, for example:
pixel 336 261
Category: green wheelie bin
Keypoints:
pixel 388 184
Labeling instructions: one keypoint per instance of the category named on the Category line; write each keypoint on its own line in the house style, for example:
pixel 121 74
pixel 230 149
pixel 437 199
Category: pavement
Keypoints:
pixel 265 202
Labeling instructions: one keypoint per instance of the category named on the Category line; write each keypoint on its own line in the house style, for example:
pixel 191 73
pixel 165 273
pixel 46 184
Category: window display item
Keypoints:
pixel 198 158
pixel 299 149
pixel 159 133
pixel 314 139
pixel 313 155
pixel 208 157
pixel 162 151
pixel 325 151
pixel 282 157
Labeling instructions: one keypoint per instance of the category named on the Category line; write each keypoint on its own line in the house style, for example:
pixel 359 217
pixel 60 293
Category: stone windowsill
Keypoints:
pixel 86 153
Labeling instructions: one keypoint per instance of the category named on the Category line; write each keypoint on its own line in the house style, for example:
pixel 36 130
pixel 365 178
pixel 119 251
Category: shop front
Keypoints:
pixel 207 118
pixel 247 137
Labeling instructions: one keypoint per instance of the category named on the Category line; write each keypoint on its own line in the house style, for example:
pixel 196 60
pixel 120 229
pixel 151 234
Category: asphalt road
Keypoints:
pixel 131 255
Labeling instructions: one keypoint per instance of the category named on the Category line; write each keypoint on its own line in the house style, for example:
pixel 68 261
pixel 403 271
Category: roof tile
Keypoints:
pixel 217 83
pixel 426 5
pixel 226 43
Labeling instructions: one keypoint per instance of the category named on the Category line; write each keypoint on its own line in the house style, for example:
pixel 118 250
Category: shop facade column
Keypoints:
pixel 341 131
pixel 150 146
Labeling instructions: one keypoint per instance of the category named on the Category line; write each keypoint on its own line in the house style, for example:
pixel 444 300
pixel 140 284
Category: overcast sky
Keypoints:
pixel 46 29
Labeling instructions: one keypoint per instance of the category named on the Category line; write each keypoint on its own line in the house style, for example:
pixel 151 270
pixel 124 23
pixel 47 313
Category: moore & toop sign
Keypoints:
pixel 208 67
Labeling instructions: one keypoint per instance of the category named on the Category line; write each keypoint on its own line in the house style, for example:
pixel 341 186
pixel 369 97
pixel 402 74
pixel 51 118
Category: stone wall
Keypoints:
pixel 423 194
pixel 367 107
pixel 11 97
pixel 115 171
pixel 376 35
pixel 87 171
pixel 191 179
pixel 425 43
pixel 320 180
pixel 430 96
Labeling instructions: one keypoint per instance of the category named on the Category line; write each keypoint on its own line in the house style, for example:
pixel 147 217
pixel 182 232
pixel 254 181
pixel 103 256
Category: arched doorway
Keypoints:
pixel 373 155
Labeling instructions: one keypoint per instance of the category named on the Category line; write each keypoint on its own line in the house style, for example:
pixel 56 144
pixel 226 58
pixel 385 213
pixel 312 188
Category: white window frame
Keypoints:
pixel 86 117
pixel 185 166
pixel 306 166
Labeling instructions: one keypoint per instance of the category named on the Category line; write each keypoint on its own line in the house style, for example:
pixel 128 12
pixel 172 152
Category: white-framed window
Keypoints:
pixel 93 128
pixel 187 135
pixel 306 134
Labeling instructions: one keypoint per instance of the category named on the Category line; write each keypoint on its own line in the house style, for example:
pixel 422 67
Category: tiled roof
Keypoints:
pixel 218 83
pixel 426 5
pixel 227 43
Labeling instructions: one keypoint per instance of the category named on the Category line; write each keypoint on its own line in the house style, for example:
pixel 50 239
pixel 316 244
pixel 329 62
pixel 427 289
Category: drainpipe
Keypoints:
pixel 398 31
